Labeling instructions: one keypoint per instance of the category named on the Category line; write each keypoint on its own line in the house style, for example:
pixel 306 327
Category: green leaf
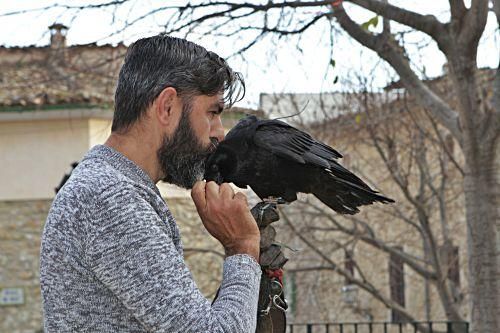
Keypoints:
pixel 332 62
pixel 371 22
pixel 357 119
pixel 335 80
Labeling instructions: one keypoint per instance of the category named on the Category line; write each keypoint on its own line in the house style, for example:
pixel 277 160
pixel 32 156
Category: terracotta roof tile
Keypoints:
pixel 36 76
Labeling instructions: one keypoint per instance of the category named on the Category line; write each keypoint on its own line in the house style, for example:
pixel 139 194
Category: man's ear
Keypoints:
pixel 167 106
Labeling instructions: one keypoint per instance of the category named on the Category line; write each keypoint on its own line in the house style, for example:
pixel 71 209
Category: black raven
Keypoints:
pixel 277 160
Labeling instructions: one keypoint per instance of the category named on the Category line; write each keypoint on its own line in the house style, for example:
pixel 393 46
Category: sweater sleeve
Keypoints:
pixel 133 255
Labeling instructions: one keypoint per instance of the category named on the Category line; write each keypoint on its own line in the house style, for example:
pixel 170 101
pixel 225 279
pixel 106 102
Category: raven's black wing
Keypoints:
pixel 295 145
pixel 334 185
pixel 290 143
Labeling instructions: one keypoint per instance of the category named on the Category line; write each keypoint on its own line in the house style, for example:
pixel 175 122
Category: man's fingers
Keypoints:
pixel 241 196
pixel 212 191
pixel 226 191
pixel 198 194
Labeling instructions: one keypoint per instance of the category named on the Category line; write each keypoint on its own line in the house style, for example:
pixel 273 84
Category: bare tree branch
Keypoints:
pixel 368 287
pixel 56 5
pixel 496 10
pixel 425 23
pixel 395 56
pixel 475 21
pixel 445 147
pixel 370 239
pixel 458 10
pixel 288 32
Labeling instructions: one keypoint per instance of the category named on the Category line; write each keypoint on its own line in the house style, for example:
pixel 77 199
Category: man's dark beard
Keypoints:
pixel 182 157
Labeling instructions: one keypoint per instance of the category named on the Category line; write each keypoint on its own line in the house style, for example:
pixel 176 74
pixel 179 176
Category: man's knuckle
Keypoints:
pixel 226 187
pixel 240 206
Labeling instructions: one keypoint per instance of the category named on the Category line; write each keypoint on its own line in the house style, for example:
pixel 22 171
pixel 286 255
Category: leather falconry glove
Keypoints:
pixel 271 308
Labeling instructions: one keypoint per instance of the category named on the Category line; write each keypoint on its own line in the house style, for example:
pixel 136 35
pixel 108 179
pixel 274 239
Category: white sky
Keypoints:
pixel 269 66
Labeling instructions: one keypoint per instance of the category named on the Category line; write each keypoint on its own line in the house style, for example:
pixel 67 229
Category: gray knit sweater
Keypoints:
pixel 111 260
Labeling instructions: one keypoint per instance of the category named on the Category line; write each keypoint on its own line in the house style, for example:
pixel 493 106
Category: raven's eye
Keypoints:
pixel 214 167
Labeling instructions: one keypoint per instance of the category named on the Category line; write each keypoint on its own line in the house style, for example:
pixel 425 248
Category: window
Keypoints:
pixel 397 284
pixel 453 267
pixel 449 258
pixel 448 255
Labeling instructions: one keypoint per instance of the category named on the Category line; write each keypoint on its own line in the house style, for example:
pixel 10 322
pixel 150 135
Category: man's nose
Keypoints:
pixel 217 130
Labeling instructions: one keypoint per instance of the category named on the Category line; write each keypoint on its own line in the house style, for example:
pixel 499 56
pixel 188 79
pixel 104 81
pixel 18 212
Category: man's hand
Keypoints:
pixel 227 217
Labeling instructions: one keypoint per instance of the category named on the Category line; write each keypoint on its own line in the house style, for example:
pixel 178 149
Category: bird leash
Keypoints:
pixel 271 316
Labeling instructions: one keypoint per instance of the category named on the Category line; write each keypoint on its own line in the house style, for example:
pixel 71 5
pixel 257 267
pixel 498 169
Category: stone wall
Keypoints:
pixel 21 224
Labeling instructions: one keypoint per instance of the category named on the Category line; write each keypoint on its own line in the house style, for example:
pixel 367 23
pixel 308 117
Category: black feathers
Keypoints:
pixel 278 160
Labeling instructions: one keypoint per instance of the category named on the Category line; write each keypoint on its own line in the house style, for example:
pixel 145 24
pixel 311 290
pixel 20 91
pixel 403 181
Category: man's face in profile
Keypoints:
pixel 182 156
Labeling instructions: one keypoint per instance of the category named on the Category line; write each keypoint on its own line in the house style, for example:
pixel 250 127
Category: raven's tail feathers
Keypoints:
pixel 344 196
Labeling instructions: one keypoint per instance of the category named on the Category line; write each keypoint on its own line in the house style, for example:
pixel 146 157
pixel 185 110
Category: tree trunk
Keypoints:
pixel 479 143
pixel 482 201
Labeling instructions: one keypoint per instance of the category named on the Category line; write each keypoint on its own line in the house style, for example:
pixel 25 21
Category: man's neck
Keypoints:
pixel 142 152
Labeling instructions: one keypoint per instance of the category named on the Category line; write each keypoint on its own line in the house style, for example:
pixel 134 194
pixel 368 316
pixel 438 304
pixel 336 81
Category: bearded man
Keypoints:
pixel 111 254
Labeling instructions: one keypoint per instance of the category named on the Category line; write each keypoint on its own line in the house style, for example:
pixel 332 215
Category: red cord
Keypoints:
pixel 275 273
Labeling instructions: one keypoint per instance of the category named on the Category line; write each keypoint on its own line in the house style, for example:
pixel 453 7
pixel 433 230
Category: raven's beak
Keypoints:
pixel 218 179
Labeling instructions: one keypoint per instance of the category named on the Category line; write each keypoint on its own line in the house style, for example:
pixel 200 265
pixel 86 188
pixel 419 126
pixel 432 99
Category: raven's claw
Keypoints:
pixel 265 213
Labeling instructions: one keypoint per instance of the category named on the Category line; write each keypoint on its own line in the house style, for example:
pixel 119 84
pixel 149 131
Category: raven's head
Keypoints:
pixel 247 121
pixel 242 125
pixel 220 165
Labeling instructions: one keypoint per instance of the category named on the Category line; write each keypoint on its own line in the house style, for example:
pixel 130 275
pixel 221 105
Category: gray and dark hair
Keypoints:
pixel 154 63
